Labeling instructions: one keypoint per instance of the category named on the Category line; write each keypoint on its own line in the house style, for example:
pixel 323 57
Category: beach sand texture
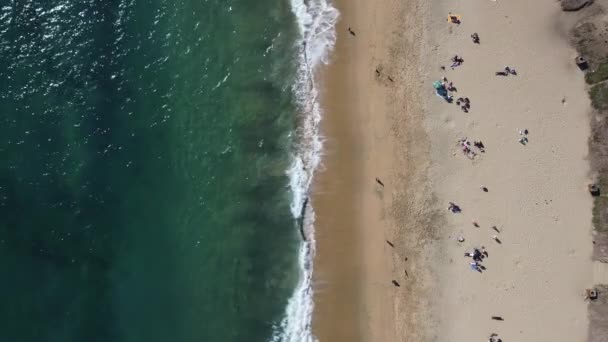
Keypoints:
pixel 401 132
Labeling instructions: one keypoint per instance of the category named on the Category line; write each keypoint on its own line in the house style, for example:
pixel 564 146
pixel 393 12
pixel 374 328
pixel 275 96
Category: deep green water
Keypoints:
pixel 143 149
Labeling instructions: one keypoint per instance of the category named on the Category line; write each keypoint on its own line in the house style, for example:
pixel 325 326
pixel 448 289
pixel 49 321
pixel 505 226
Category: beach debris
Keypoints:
pixel 475 38
pixel 594 189
pixel 454 208
pixel 351 31
pixel 581 62
pixel 396 283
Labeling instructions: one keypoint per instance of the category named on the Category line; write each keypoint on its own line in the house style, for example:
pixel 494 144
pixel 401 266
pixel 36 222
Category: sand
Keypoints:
pixel 401 132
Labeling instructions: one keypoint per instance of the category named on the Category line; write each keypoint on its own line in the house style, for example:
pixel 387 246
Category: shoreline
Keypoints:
pixel 400 132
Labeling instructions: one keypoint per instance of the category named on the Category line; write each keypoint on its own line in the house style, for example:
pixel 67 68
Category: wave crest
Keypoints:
pixel 316 20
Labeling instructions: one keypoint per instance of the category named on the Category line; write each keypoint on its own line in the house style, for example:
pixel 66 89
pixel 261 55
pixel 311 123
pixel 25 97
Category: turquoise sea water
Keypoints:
pixel 143 149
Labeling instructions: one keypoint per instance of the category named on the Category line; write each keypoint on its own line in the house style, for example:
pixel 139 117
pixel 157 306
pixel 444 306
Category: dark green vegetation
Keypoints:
pixel 588 37
pixel 598 91
pixel 599 96
pixel 142 154
pixel 600 74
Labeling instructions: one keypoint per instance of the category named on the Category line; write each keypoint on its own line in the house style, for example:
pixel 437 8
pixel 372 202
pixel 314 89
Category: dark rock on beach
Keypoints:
pixel 575 5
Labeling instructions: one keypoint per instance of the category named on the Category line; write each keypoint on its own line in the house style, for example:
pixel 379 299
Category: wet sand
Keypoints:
pixel 367 134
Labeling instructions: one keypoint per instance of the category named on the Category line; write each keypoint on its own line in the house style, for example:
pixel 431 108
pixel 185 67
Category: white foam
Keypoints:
pixel 316 21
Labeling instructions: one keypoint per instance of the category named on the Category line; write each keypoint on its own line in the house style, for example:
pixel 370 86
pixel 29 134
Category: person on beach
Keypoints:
pixel 475 38
pixel 456 61
pixel 351 31
pixel 379 182
pixel 483 188
pixel 453 208
pixel 477 256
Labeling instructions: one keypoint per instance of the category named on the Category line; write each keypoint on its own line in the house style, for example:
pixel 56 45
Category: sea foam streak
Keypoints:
pixel 316 21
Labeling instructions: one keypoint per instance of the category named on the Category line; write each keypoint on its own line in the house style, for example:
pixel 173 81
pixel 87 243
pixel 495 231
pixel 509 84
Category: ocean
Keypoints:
pixel 155 161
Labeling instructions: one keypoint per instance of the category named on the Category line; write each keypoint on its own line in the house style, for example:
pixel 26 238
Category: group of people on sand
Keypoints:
pixel 471 150
pixel 456 61
pixel 466 103
pixel 467 147
pixel 478 255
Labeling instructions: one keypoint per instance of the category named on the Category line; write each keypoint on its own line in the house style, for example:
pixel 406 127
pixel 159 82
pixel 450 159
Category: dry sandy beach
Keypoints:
pixel 398 130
